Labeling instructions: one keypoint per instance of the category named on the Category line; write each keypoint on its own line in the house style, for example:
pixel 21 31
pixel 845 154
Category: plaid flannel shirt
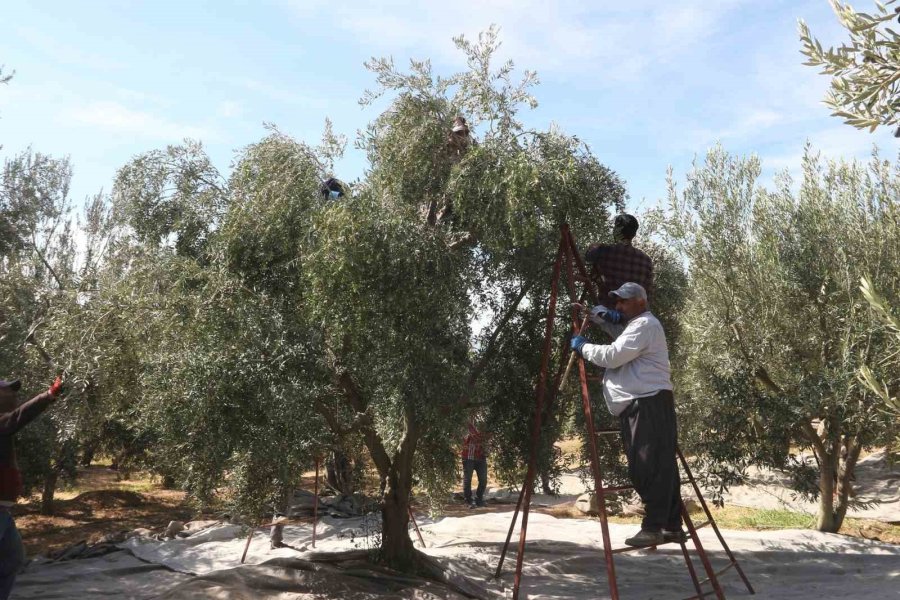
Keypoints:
pixel 615 264
pixel 473 444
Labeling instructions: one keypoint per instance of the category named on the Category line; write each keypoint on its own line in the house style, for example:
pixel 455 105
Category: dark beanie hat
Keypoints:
pixel 626 224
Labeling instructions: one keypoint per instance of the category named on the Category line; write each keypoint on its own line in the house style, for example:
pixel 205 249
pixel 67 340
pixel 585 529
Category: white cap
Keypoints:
pixel 630 290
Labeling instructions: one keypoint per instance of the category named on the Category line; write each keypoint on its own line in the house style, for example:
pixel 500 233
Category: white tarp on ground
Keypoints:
pixel 563 560
pixel 117 575
pixel 875 480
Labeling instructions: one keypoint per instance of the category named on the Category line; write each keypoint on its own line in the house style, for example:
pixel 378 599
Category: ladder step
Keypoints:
pixel 719 572
pixel 702 525
pixel 631 548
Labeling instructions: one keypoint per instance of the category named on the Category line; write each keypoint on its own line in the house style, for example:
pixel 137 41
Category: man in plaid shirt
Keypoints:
pixel 620 262
pixel 474 458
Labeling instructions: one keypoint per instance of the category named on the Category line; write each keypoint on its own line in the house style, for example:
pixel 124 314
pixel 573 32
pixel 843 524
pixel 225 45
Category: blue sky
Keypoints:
pixel 646 84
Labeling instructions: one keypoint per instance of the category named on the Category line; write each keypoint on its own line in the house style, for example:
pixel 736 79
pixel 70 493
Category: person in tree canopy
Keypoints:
pixel 637 387
pixel 460 138
pixel 474 458
pixel 332 189
pixel 14 417
pixel 620 261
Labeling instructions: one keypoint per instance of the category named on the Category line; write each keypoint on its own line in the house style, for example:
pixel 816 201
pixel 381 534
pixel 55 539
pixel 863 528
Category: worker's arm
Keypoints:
pixel 595 252
pixel 625 348
pixel 613 329
pixel 15 420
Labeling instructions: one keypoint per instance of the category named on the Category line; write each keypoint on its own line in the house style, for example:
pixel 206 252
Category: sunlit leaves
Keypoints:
pixel 865 71
pixel 170 197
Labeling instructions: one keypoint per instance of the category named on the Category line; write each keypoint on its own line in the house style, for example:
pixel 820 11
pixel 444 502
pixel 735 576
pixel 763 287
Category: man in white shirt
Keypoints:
pixel 637 388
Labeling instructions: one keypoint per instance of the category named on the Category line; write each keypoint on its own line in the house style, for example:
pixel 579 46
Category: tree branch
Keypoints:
pixel 44 260
pixel 491 347
pixel 330 418
pixel 762 375
pixel 353 397
pixel 813 438
pixel 466 240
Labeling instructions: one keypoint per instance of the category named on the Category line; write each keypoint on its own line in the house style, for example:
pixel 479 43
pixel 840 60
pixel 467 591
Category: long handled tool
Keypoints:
pixel 574 355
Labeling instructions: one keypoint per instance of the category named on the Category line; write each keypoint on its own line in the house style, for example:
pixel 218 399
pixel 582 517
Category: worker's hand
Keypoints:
pixel 577 342
pixel 613 316
pixel 600 314
pixel 56 388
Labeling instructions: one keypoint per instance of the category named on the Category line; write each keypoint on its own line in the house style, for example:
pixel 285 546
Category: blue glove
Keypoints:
pixel 600 313
pixel 612 316
pixel 577 342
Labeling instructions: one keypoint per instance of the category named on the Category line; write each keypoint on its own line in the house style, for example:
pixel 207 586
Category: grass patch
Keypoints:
pixel 758 519
pixel 138 486
pixel 737 517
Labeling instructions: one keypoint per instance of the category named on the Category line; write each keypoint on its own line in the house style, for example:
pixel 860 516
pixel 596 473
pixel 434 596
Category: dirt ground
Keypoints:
pixel 101 504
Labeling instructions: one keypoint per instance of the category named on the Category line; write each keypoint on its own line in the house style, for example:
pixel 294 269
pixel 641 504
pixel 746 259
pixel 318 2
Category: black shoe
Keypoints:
pixel 472 505
pixel 679 536
pixel 645 538
pixel 480 503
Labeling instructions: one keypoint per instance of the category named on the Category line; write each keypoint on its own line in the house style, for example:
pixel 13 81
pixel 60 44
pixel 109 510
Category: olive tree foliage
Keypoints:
pixel 885 383
pixel 270 323
pixel 774 329
pixel 170 197
pixel 39 280
pixel 865 70
pixel 216 303
pixel 396 273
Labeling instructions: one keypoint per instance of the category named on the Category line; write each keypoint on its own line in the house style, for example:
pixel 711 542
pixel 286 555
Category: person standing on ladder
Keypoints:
pixel 620 262
pixel 637 387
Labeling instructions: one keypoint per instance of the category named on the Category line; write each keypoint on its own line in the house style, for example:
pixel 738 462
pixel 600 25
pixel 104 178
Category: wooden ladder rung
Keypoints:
pixel 719 572
pixel 630 548
pixel 606 431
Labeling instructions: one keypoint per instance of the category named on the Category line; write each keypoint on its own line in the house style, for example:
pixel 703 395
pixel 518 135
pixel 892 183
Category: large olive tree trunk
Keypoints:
pixel 397 549
pixel 396 472
pixel 835 479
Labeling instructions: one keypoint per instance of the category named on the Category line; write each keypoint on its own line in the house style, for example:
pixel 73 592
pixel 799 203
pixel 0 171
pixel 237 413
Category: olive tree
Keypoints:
pixel 400 270
pixel 275 321
pixel 774 328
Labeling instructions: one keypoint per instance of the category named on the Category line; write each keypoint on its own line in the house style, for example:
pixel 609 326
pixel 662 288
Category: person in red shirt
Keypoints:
pixel 14 417
pixel 474 459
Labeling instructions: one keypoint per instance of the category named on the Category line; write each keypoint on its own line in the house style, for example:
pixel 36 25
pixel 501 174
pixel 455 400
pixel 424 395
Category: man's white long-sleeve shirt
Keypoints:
pixel 637 362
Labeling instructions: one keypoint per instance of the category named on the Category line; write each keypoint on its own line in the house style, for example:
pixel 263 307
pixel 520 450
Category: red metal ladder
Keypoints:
pixel 568 254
